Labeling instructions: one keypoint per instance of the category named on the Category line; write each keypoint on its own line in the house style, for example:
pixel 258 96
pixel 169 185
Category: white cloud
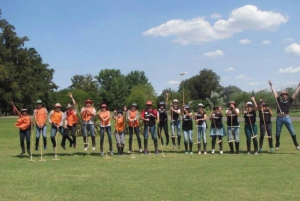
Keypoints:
pixel 245 41
pixel 173 82
pixel 216 15
pixel 256 83
pixel 229 69
pixel 212 55
pixel 289 70
pixel 198 30
pixel 242 77
pixel 266 42
pixel 293 49
pixel 288 40
pixel 224 78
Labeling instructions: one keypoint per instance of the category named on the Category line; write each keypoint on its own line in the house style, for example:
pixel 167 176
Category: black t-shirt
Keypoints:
pixel 266 117
pixel 162 114
pixel 187 123
pixel 200 116
pixel 216 121
pixel 250 117
pixel 175 115
pixel 284 104
pixel 232 120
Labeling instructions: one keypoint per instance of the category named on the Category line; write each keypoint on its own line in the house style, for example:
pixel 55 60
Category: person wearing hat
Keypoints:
pixel 187 127
pixel 284 103
pixel 175 122
pixel 149 117
pixel 88 113
pixel 233 127
pixel 104 116
pixel 134 127
pixel 56 120
pixel 163 120
pixel 120 126
pixel 70 122
pixel 40 117
pixel 216 128
pixel 265 125
pixel 201 128
pixel 250 126
pixel 24 124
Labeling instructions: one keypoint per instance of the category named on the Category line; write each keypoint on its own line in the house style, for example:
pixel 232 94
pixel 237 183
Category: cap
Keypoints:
pixel 249 103
pixel 120 112
pixel 39 101
pixel 134 104
pixel 231 102
pixel 284 92
pixel 69 106
pixel 57 105
pixel 88 101
pixel 200 105
pixel 175 101
pixel 103 105
pixel 24 110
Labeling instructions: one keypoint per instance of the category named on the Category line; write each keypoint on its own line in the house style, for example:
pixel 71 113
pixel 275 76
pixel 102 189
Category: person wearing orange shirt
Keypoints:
pixel 133 122
pixel 120 126
pixel 104 116
pixel 40 117
pixel 24 124
pixel 88 113
pixel 70 122
pixel 56 120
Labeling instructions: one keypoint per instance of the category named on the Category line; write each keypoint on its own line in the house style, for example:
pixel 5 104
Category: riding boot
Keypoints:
pixel 122 148
pixel 231 147
pixel 110 147
pixel 167 138
pixel 237 147
pixel 173 141
pixel 37 143
pixel 23 148
pixel 28 148
pixel 248 145
pixel 140 143
pixel 145 145
pixel 191 147
pixel 130 144
pixel 93 141
pixel 199 147
pixel 45 142
pixel 204 146
pixel 255 144
pixel 119 149
pixel 295 140
pixel 178 141
pixel 53 142
pixel 277 141
pixel 186 147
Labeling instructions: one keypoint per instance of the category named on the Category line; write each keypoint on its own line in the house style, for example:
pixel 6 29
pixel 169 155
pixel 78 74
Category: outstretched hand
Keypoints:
pixel 71 96
pixel 270 83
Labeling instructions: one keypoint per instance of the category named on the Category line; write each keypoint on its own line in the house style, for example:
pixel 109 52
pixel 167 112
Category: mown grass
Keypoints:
pixel 80 175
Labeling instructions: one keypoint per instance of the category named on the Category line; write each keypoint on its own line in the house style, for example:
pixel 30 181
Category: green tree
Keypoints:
pixel 140 94
pixel 85 83
pixel 228 91
pixel 135 78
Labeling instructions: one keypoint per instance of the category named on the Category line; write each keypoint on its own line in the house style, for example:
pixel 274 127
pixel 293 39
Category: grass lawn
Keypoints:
pixel 80 175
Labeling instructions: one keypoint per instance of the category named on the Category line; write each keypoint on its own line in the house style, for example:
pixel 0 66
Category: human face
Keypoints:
pixel 70 109
pixel 119 115
pixel 148 106
pixel 161 106
pixel 284 96
pixel 88 105
pixel 133 108
pixel 103 109
pixel 200 108
pixel 39 105
pixel 57 109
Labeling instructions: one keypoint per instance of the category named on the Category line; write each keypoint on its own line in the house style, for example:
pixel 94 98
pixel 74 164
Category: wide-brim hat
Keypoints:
pixel 175 101
pixel 249 103
pixel 69 106
pixel 231 102
pixel 24 110
pixel 57 105
pixel 88 101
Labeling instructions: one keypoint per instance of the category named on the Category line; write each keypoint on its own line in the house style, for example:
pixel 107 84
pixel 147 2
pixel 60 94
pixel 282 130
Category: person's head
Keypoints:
pixel 232 104
pixel 175 103
pixel 249 105
pixel 216 108
pixel 57 107
pixel 133 106
pixel 24 112
pixel 103 107
pixel 264 105
pixel 187 108
pixel 39 103
pixel 149 104
pixel 200 106
pixel 119 113
pixel 284 95
pixel 162 105
pixel 88 103
pixel 69 107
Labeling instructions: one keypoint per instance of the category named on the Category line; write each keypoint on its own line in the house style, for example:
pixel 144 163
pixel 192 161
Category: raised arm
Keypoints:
pixel 74 103
pixel 15 108
pixel 255 104
pixel 272 89
pixel 296 92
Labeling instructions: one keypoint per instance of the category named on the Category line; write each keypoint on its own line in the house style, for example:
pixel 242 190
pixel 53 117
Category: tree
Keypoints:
pixel 24 77
pixel 215 100
pixel 136 78
pixel 85 83
pixel 140 94
pixel 228 91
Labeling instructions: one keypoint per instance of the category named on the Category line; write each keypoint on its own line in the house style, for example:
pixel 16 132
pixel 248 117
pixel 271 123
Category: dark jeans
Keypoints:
pixel 135 130
pixel 213 141
pixel 25 134
pixel 163 125
pixel 265 128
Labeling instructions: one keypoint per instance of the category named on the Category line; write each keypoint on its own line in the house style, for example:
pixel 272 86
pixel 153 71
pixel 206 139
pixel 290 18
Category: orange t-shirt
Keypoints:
pixel 120 124
pixel 56 117
pixel 23 122
pixel 132 115
pixel 105 114
pixel 87 116
pixel 41 116
pixel 72 118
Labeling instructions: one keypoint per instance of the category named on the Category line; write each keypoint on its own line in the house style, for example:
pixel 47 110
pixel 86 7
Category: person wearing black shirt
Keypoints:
pixel 216 128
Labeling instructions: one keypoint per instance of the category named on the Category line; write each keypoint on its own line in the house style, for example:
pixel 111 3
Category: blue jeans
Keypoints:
pixel 152 131
pixel 88 128
pixel 175 124
pixel 108 131
pixel 40 131
pixel 54 130
pixel 188 136
pixel 233 133
pixel 287 122
pixel 201 133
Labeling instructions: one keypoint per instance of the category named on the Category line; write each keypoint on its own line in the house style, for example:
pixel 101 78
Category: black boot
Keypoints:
pixel 93 141
pixel 63 142
pixel 277 142
pixel 173 141
pixel 70 140
pixel 162 140
pixel 178 141
pixel 199 147
pixel 255 144
pixel 248 145
pixel 145 146
pixel 204 147
pixel 23 148
pixel 37 143
pixel 122 148
pixel 119 149
pixel 295 140
pixel 231 147
pixel 191 147
pixel 237 147
pixel 53 142
pixel 186 147
pixel 167 138
pixel 28 148
pixel 45 142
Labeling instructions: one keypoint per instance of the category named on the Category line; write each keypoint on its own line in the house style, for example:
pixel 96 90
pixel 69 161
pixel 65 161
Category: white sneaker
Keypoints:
pixel 128 151
pixel 101 153
pixel 205 153
pixel 141 151
pixel 186 152
pixel 248 153
pixel 199 152
pixel 191 152
pixel 256 153
pixel 276 148
pixel 85 149
pixel 213 151
pixel 221 152
pixel 111 152
pixel 93 148
pixel 174 147
pixel 298 147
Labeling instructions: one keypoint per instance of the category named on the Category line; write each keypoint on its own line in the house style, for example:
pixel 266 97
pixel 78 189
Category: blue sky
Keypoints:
pixel 245 42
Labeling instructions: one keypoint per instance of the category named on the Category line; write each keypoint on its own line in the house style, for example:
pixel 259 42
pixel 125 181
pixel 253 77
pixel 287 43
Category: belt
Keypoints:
pixel 282 115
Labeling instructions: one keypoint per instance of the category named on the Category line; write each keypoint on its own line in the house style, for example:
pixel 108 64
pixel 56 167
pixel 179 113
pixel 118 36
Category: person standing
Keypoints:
pixel 163 120
pixel 149 117
pixel 24 124
pixel 250 126
pixel 104 116
pixel 284 103
pixel 233 127
pixel 216 128
pixel 71 121
pixel 88 113
pixel 201 127
pixel 56 120
pixel 175 122
pixel 187 127
pixel 134 127
pixel 265 125
pixel 40 118
pixel 120 126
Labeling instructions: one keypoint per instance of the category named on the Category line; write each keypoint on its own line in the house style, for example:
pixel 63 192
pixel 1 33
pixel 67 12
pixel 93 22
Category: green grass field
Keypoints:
pixel 80 175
